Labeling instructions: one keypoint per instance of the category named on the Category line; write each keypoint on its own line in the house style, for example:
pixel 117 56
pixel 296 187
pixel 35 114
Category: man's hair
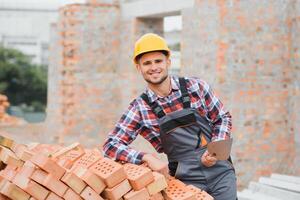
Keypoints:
pixel 138 57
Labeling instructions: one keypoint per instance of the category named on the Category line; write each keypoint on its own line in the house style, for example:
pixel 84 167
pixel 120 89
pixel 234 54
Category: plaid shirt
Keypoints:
pixel 139 119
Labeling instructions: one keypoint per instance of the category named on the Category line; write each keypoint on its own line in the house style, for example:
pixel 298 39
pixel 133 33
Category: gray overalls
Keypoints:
pixel 180 134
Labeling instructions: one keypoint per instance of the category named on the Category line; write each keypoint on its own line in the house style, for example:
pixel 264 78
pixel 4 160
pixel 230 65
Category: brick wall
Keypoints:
pixel 244 50
pixel 84 72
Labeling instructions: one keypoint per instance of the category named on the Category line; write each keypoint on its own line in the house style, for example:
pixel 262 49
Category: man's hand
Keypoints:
pixel 208 160
pixel 156 164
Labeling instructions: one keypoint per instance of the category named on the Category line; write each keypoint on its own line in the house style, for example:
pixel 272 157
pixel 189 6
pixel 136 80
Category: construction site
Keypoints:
pixel 248 51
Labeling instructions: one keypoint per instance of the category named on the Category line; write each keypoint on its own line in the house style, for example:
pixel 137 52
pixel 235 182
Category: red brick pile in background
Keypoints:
pixel 52 172
pixel 6 119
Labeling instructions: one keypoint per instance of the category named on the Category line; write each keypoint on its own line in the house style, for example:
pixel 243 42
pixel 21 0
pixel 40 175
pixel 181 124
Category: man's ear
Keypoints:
pixel 137 66
pixel 168 62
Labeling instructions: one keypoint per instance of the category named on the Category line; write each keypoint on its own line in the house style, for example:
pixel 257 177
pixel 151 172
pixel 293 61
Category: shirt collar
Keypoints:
pixel 174 85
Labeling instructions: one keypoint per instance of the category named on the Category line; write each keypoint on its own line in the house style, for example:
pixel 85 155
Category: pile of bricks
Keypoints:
pixel 51 172
pixel 4 117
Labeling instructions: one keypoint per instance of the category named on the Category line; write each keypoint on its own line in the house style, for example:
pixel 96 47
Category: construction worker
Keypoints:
pixel 178 116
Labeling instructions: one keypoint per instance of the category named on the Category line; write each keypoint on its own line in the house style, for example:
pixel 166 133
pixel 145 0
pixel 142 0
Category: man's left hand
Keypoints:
pixel 208 160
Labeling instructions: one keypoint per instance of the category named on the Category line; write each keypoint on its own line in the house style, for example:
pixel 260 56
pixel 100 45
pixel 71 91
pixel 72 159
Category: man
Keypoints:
pixel 178 116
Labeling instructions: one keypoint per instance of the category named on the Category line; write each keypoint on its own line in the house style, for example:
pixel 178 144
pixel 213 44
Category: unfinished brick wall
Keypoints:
pixel 84 72
pixel 244 50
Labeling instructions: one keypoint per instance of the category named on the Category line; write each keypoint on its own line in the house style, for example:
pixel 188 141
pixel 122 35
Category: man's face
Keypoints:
pixel 154 67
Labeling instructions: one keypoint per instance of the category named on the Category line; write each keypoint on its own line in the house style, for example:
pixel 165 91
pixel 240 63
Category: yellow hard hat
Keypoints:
pixel 150 42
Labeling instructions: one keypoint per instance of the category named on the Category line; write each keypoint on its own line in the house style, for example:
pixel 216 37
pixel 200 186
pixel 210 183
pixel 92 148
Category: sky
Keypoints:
pixel 170 23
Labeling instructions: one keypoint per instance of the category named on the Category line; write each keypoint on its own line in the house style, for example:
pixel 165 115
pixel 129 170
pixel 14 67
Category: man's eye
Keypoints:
pixel 158 61
pixel 146 63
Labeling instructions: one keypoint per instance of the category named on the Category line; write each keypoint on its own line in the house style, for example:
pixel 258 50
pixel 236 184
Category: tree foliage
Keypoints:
pixel 22 81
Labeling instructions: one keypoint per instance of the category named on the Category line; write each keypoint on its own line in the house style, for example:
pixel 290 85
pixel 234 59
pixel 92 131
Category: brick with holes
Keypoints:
pixel 111 172
pixel 73 182
pixel 118 191
pixel 137 195
pixel 158 184
pixel 88 159
pixel 31 187
pixel 89 194
pixel 177 190
pixel 14 192
pixel 70 158
pixel 71 195
pixel 53 196
pixel 157 196
pixel 90 178
pixel 138 176
pixel 48 165
pixel 200 194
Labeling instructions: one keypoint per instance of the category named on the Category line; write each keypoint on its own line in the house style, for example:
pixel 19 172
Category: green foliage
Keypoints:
pixel 22 81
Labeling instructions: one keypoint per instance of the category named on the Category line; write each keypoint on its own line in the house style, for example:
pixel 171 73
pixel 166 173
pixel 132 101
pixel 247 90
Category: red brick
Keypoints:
pixel 138 176
pixel 157 196
pixel 88 159
pixel 3 197
pixel 63 151
pixel 111 172
pixel 2 182
pixel 6 142
pixel 8 173
pixel 9 158
pixel 55 185
pixel 89 194
pixel 45 149
pixel 73 182
pixel 200 194
pixel 13 192
pixel 39 176
pixel 48 165
pixel 53 196
pixel 70 158
pixel 22 152
pixel 27 169
pixel 137 195
pixel 177 190
pixel 91 179
pixel 158 184
pixel 118 191
pixel 31 187
pixel 71 195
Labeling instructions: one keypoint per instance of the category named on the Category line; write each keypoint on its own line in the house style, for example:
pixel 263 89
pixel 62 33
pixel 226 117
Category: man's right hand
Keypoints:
pixel 156 164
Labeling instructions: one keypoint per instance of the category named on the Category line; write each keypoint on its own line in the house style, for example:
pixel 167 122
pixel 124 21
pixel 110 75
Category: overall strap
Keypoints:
pixel 185 98
pixel 157 109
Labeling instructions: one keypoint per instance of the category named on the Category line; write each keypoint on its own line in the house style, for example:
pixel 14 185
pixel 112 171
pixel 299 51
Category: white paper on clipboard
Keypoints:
pixel 220 149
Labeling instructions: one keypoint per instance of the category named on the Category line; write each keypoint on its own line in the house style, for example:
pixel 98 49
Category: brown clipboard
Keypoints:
pixel 220 149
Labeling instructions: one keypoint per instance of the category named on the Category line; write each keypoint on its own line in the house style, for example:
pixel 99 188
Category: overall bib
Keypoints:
pixel 181 132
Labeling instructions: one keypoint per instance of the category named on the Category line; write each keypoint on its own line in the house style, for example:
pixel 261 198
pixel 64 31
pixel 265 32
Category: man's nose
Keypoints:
pixel 153 66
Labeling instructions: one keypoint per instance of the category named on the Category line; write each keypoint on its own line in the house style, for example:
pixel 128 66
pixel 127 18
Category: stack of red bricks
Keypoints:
pixel 52 172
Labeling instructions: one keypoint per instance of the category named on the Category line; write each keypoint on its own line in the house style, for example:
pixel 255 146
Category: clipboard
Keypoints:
pixel 220 149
